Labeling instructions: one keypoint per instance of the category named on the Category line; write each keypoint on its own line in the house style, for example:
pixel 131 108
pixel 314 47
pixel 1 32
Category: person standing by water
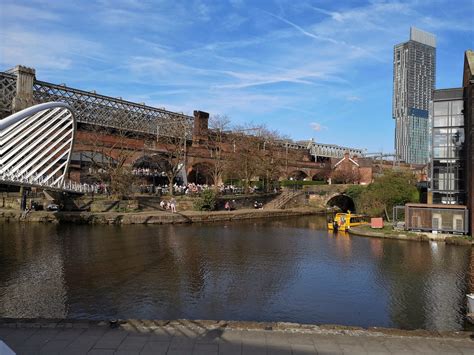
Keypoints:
pixel 173 205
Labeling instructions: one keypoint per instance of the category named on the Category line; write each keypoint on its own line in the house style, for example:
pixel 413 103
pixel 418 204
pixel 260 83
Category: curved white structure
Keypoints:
pixel 36 145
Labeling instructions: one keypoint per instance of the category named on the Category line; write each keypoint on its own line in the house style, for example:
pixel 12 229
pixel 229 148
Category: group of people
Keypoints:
pixel 95 188
pixel 147 172
pixel 169 205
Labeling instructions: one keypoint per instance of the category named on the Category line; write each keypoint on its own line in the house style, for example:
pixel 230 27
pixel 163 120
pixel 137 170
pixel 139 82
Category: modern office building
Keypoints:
pixel 452 163
pixel 448 163
pixel 414 69
pixel 468 85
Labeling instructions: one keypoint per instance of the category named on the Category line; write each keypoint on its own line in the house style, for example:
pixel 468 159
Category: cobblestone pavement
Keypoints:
pixel 84 338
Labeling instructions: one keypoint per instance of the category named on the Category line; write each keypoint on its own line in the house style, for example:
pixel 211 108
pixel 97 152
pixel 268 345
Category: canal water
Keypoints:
pixel 272 270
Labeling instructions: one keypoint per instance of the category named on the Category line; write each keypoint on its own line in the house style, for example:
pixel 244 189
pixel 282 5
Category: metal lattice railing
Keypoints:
pixel 7 93
pixel 107 111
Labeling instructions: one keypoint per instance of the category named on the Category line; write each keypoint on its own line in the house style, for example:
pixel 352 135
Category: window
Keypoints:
pixel 440 108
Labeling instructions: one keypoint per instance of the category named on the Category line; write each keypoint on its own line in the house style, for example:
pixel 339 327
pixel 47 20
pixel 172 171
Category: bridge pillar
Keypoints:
pixel 24 87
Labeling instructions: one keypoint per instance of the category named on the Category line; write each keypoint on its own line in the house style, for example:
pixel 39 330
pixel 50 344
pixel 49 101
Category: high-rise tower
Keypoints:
pixel 414 69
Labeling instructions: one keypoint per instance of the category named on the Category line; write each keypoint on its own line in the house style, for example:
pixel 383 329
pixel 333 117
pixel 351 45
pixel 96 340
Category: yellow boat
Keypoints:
pixel 344 221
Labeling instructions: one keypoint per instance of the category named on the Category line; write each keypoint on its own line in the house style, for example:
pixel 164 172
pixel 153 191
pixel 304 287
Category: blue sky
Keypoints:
pixel 310 69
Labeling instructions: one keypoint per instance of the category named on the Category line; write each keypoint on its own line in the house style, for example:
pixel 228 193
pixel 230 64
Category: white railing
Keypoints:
pixel 36 145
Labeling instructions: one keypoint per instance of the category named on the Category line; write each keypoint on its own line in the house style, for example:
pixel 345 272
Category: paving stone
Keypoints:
pixel 231 342
pixel 352 349
pixel 420 346
pixel 184 345
pixel 54 346
pixel 68 351
pixel 111 340
pixel 203 349
pixel 254 349
pixel 161 335
pixel 253 338
pixel 68 334
pixel 234 348
pixel 43 335
pixel 155 347
pixel 210 336
pixel 231 335
pixel 327 345
pixel 303 349
pixel 305 339
pixel 5 331
pixel 445 348
pixel 466 350
pixel 101 352
pixel 133 342
pixel 277 339
pixel 83 343
pixel 18 336
pixel 398 347
pixel 97 331
pixel 375 346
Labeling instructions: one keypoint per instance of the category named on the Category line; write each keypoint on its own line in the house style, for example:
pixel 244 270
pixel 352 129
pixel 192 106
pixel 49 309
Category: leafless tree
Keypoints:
pixel 243 162
pixel 345 174
pixel 173 136
pixel 109 153
pixel 256 153
pixel 216 145
pixel 271 155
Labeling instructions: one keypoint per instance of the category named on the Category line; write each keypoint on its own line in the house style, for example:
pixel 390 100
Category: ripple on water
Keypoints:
pixel 283 270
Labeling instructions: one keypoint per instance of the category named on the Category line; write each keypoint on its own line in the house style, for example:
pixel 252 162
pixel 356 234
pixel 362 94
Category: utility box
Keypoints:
pixel 376 223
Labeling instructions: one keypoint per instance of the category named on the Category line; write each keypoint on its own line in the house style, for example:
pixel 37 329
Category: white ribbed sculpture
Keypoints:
pixel 36 145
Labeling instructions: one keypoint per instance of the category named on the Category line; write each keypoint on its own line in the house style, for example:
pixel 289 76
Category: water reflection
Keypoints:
pixel 285 270
pixel 32 281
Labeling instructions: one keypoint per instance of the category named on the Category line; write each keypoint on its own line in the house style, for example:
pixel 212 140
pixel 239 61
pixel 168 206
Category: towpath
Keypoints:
pixel 207 337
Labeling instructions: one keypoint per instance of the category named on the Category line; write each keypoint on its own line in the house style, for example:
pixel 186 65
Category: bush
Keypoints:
pixel 206 201
pixel 389 190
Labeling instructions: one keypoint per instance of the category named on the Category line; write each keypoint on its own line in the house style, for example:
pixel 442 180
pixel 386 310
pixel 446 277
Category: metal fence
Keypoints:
pixel 439 219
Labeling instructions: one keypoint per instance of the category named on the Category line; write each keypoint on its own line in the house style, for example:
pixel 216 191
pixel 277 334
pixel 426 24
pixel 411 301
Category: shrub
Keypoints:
pixel 206 201
pixel 389 190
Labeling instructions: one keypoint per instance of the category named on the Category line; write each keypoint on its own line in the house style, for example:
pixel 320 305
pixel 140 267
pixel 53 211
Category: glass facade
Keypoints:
pixel 414 67
pixel 448 150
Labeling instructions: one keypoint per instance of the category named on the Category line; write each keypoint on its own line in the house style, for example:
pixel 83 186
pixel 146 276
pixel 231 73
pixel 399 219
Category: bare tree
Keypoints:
pixel 346 174
pixel 109 153
pixel 271 155
pixel 173 136
pixel 243 160
pixel 216 146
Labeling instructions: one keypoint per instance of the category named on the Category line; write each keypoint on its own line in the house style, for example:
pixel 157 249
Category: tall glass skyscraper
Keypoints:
pixel 414 69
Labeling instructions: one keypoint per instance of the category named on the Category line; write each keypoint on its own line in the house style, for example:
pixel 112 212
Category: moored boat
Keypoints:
pixel 344 221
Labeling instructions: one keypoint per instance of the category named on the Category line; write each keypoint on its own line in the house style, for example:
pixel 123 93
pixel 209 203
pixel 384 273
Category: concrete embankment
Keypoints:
pixel 154 217
pixel 365 231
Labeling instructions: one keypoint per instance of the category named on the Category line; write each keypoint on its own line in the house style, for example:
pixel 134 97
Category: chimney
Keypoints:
pixel 201 126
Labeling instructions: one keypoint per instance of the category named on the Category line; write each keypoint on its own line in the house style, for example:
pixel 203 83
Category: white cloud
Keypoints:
pixel 14 11
pixel 43 50
pixel 315 126
pixel 353 98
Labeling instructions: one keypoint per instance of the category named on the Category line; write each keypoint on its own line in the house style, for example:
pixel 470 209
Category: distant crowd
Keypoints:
pixel 163 189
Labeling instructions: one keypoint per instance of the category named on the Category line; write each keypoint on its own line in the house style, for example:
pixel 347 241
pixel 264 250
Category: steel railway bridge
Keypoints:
pixel 20 90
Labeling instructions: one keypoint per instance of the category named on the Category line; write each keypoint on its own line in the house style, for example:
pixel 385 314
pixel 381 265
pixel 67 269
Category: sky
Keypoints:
pixel 309 69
